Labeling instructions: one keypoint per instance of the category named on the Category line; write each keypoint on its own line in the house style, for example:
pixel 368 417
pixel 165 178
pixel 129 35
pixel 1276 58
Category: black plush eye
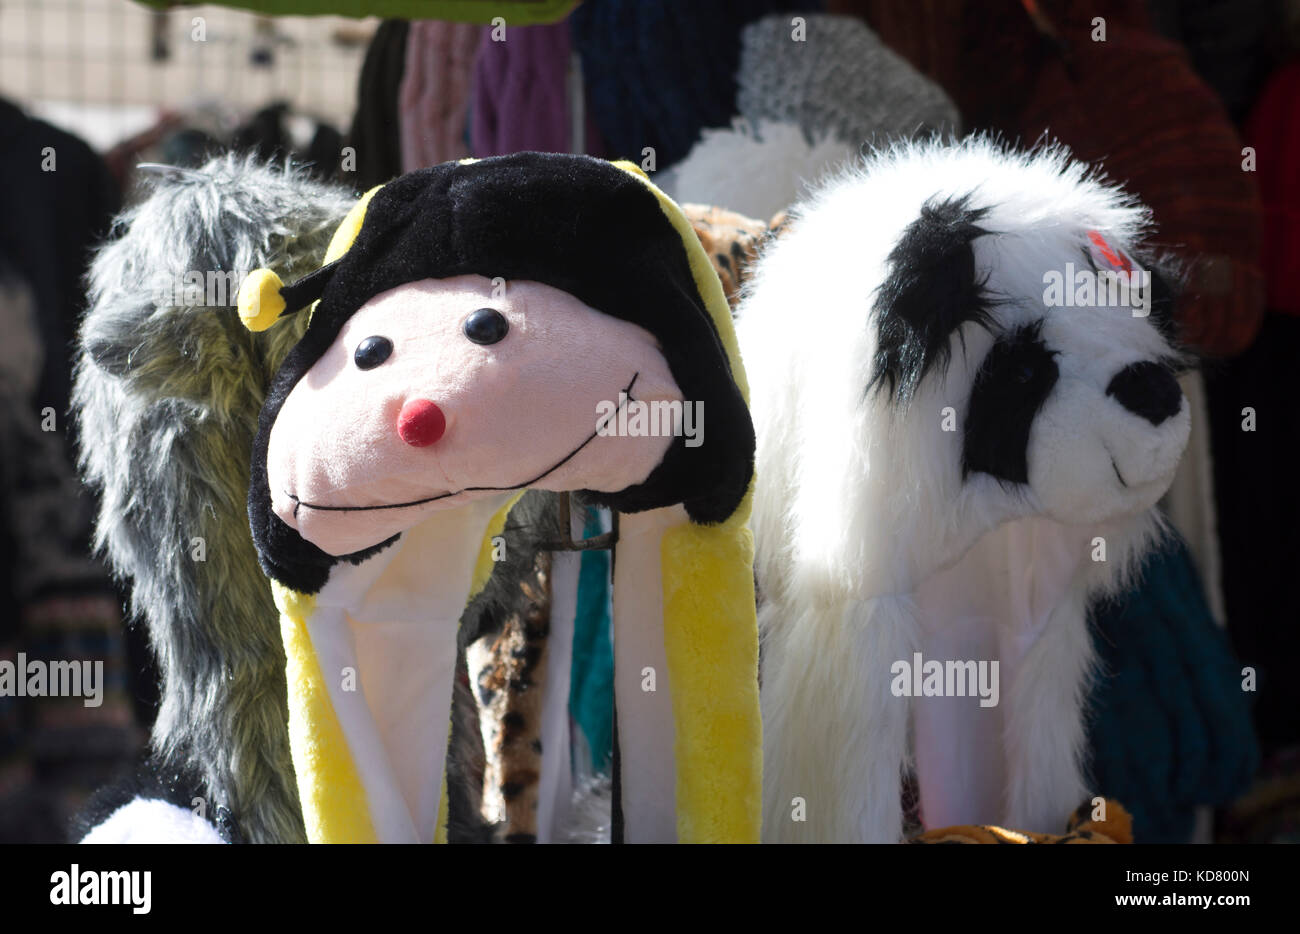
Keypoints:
pixel 371 352
pixel 486 326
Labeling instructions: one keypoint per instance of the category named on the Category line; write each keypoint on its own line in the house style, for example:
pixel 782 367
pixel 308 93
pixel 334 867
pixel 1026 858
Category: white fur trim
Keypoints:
pixel 149 820
pixel 755 170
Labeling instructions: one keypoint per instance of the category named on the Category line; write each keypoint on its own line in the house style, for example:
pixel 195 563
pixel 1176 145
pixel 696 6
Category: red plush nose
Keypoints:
pixel 421 422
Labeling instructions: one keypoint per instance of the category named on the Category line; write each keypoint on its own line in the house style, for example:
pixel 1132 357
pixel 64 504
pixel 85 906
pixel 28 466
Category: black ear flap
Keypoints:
pixel 308 289
pixel 930 291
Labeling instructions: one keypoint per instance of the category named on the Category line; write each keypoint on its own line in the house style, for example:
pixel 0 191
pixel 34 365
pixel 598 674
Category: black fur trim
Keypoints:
pixel 1013 382
pixel 575 223
pixel 931 290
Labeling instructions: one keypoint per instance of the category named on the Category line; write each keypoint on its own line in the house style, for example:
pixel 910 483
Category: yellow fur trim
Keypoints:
pixel 706 279
pixel 259 301
pixel 346 234
pixel 335 808
pixel 710 629
pixel 711 643
pixel 628 166
pixel 349 227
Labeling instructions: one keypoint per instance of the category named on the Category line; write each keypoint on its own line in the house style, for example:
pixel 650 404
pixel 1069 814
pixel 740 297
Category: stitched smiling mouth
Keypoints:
pixel 626 396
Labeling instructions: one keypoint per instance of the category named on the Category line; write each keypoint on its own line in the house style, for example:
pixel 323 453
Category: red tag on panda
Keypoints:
pixel 1105 256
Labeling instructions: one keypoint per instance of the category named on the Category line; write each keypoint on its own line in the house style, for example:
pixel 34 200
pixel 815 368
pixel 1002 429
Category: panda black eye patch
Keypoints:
pixel 1012 384
pixel 372 351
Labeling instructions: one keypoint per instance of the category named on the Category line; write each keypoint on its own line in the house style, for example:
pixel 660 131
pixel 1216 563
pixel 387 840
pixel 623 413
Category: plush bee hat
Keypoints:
pixel 478 329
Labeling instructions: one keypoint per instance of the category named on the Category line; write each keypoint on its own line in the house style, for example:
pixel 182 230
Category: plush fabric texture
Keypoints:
pixel 354 754
pixel 783 166
pixel 1116 827
pixel 706 572
pixel 542 218
pixel 334 804
pixel 732 242
pixel 1172 727
pixel 885 529
pixel 708 592
pixel 399 455
pixel 838 80
pixel 434 96
pixel 167 397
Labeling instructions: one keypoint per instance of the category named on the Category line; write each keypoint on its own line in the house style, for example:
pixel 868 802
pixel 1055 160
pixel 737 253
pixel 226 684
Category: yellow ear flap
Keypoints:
pixel 711 645
pixel 260 301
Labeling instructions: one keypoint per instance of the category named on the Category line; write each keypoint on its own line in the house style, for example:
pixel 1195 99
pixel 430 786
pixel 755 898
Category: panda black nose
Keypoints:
pixel 1147 389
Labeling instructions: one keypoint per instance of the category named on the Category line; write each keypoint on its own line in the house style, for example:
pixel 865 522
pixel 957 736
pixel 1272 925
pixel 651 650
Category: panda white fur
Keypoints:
pixel 949 463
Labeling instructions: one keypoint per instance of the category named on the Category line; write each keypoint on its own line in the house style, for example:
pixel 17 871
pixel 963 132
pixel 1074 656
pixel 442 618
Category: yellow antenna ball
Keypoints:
pixel 260 302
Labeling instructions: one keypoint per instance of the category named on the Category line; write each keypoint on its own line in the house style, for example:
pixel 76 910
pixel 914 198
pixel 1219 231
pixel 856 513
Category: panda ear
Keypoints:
pixel 930 290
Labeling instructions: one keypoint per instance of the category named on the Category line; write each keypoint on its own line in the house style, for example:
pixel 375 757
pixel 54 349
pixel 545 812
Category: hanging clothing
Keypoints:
pixel 1254 423
pixel 522 93
pixel 376 125
pixel 1273 131
pixel 1131 103
pixel 840 80
pixel 433 101
pixel 59 200
pixel 1171 726
pixel 659 73
pixel 56 604
pixel 515 12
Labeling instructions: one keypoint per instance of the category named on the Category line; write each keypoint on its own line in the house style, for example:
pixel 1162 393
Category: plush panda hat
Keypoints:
pixel 470 324
pixel 961 436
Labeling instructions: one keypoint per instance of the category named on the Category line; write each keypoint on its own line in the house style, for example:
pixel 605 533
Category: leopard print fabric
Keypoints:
pixel 507 672
pixel 732 242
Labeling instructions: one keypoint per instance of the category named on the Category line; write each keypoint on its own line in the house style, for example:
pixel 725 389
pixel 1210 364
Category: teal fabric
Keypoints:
pixel 591 685
pixel 1171 727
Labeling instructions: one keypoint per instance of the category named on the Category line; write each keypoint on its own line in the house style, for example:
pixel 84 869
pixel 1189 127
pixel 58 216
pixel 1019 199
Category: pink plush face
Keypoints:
pixel 436 392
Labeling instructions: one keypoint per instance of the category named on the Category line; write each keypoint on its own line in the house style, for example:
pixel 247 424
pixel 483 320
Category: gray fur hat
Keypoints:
pixel 168 388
